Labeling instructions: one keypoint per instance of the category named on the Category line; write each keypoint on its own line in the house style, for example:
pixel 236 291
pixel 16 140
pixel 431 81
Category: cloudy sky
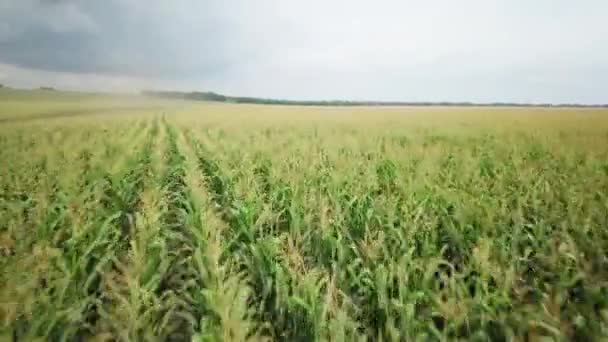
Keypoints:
pixel 467 50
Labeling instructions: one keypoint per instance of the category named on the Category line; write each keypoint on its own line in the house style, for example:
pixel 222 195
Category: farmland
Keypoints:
pixel 136 219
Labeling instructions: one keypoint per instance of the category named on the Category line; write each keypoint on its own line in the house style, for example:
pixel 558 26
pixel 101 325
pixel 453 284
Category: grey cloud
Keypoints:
pixel 151 38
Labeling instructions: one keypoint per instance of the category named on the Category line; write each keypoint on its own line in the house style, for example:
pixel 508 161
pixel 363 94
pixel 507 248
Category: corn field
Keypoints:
pixel 239 222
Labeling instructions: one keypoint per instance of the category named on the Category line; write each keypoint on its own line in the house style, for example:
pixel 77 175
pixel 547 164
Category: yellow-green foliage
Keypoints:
pixel 209 222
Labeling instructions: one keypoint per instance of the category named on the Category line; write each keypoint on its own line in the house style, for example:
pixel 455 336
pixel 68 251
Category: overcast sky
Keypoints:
pixel 467 50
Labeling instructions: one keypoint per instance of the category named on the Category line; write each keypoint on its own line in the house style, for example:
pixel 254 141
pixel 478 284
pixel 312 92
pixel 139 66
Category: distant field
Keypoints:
pixel 135 219
pixel 23 105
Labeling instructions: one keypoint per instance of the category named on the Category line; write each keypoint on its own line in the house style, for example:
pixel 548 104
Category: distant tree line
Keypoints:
pixel 211 96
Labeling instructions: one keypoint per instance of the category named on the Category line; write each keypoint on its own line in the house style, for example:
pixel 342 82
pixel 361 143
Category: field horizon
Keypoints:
pixel 210 96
